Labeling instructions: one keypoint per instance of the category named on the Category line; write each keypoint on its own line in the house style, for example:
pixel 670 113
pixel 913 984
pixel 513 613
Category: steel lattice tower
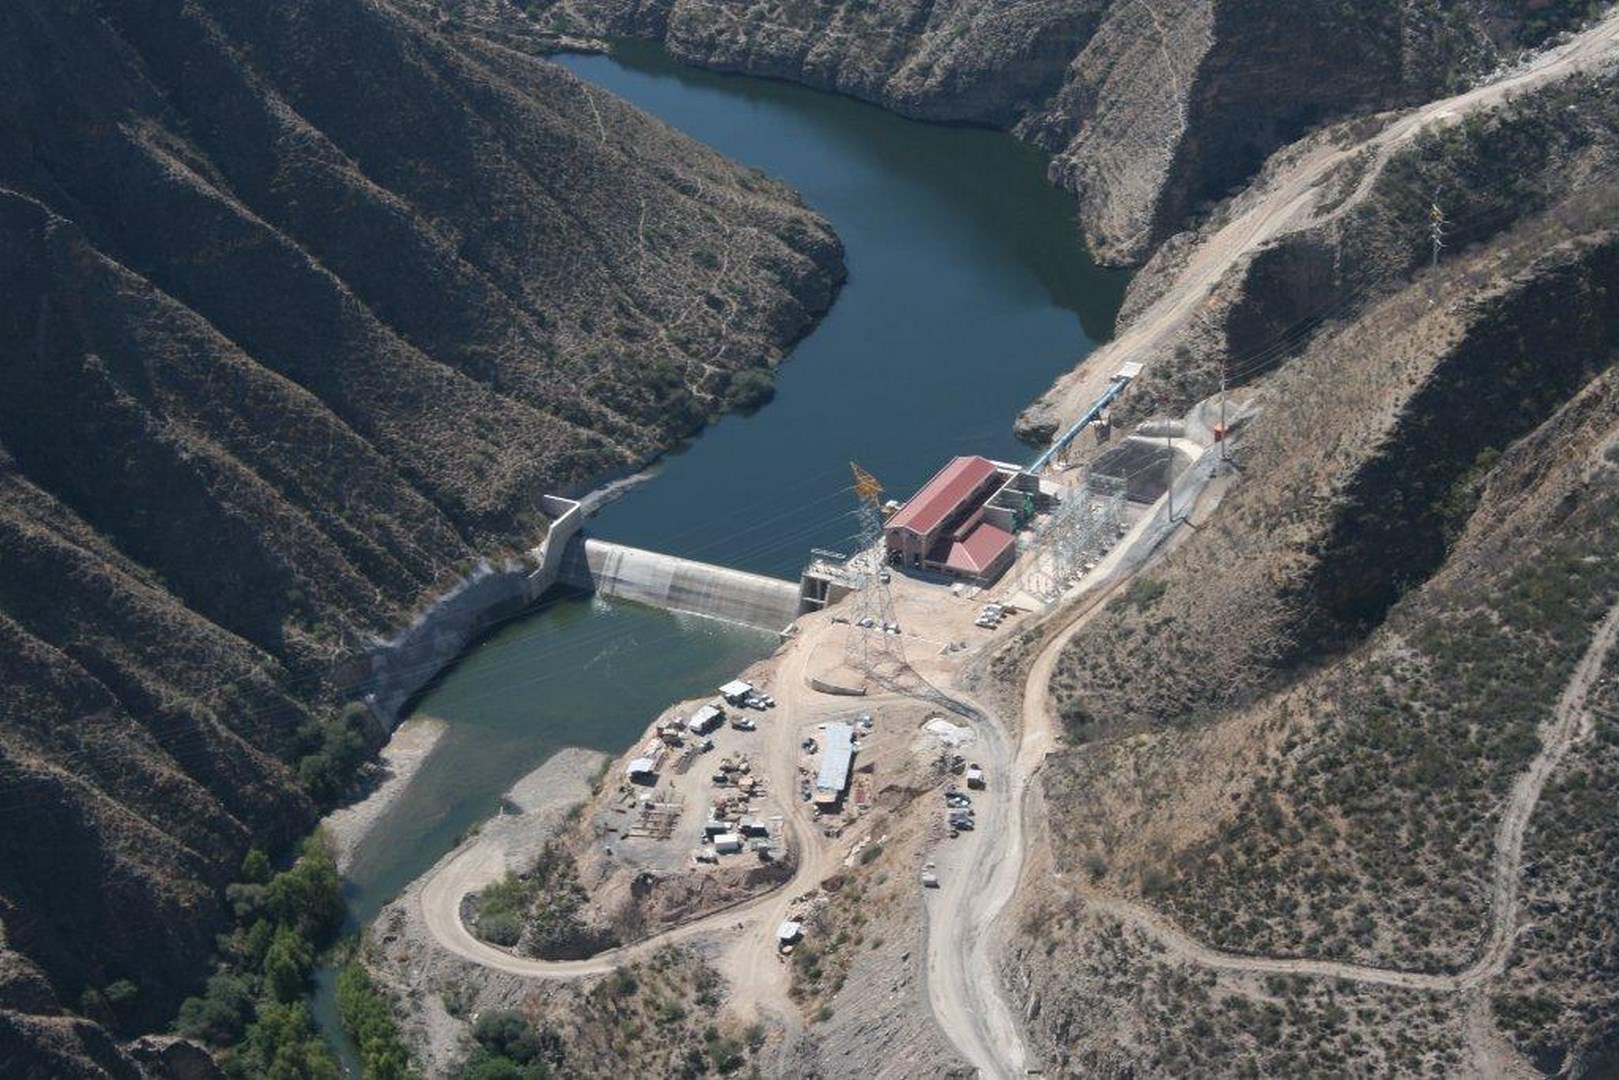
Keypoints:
pixel 870 645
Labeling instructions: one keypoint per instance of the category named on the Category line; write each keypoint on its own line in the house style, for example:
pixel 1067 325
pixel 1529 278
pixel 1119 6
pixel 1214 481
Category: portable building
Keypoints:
pixel 706 719
pixel 837 759
pixel 736 691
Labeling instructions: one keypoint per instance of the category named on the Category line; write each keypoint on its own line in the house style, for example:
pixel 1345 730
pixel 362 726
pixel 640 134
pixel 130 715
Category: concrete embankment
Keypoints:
pixel 680 584
pixel 402 665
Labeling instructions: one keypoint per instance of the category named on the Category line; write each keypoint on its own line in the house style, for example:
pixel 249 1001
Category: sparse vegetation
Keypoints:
pixel 1559 999
pixel 654 1018
pixel 542 912
pixel 1122 1000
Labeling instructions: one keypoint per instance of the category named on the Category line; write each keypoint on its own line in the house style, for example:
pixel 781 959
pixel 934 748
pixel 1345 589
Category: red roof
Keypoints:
pixel 943 495
pixel 979 550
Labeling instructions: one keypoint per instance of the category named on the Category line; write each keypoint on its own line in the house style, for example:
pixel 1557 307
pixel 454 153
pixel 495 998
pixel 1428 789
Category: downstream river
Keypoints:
pixel 968 292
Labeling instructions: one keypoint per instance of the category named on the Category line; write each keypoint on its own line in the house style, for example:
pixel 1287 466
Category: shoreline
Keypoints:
pixel 408 748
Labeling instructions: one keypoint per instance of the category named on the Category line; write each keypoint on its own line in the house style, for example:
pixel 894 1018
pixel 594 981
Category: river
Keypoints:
pixel 969 291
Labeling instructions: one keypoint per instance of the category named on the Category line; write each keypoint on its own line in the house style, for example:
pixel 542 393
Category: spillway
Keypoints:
pixel 677 584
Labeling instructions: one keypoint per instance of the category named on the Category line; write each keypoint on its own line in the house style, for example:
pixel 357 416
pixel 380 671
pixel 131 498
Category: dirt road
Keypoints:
pixel 1288 204
pixel 750 961
pixel 962 976
pixel 1569 722
pixel 963 983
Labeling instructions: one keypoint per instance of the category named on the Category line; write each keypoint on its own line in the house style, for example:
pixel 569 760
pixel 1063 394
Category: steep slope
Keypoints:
pixel 302 307
pixel 1345 722
pixel 1149 109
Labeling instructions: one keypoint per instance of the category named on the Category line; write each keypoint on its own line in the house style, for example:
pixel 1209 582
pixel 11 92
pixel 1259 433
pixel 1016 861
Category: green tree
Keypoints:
pixel 368 1019
pixel 282 1044
pixel 219 1015
pixel 309 895
pixel 256 868
pixel 287 964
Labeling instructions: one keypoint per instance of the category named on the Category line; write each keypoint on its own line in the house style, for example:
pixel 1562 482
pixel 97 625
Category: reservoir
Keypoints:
pixel 969 291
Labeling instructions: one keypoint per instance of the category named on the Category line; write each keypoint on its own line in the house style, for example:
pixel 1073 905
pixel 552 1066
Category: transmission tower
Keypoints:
pixel 1436 234
pixel 874 631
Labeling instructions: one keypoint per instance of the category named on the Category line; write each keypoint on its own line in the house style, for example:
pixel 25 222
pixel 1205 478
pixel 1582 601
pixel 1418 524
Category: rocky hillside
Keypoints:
pixel 1312 734
pixel 302 306
pixel 1150 110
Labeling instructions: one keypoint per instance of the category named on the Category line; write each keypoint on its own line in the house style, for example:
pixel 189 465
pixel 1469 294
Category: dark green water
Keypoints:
pixel 968 293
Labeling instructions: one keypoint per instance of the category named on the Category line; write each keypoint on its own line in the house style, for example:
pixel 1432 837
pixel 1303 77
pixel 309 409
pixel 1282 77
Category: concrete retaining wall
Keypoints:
pixel 399 667
pixel 681 584
pixel 402 665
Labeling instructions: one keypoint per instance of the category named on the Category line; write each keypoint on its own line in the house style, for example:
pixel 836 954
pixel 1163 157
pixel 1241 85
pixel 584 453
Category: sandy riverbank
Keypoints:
pixel 400 759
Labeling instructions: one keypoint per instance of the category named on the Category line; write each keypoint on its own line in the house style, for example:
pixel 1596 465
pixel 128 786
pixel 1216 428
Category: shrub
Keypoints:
pixel 500 928
pixel 750 389
pixel 219 1016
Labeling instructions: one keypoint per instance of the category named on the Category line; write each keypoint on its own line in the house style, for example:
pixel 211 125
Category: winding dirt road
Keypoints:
pixel 1569 723
pixel 1288 203
pixel 961 973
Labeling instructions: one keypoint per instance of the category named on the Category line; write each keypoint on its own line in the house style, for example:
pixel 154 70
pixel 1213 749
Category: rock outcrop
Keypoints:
pixel 1151 109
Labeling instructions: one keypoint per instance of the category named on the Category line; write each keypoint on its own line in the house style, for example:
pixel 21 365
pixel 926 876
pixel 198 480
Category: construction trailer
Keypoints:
pixel 705 719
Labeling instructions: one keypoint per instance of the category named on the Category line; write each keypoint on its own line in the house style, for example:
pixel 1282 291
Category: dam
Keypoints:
pixel 682 585
pixel 969 291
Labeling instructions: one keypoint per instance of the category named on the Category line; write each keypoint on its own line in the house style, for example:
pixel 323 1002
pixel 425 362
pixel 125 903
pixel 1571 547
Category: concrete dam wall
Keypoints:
pixel 393 670
pixel 680 584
